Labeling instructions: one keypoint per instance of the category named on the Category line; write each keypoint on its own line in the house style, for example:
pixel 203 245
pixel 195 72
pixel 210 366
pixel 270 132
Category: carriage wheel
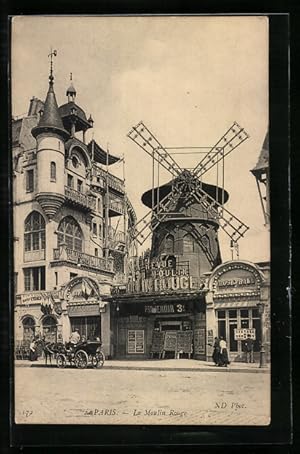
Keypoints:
pixel 81 359
pixel 98 359
pixel 61 360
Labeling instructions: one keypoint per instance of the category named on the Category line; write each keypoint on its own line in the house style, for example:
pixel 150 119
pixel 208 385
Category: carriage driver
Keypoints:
pixel 74 338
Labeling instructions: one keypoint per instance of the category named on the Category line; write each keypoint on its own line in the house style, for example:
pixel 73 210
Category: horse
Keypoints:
pixel 48 350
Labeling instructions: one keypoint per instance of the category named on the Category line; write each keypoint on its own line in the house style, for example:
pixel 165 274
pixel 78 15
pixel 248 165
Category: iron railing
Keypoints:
pixel 80 198
pixel 82 259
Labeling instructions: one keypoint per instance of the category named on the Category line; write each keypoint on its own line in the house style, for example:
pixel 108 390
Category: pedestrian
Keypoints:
pixel 248 349
pixel 33 350
pixel 224 359
pixel 216 352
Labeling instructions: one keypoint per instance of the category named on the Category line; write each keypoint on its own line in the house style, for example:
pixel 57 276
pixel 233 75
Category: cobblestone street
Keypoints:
pixel 136 396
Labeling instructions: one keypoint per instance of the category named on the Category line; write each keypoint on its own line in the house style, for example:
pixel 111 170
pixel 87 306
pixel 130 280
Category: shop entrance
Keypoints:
pixel 89 327
pixel 231 319
pixel 172 338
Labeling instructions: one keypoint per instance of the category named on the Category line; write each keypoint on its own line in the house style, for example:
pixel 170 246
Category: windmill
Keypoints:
pixel 186 202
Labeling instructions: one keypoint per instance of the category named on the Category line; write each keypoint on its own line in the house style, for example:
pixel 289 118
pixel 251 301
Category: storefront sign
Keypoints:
pixel 36 298
pixel 81 310
pixel 153 276
pixel 82 289
pixel 165 309
pixel 243 333
pixel 236 279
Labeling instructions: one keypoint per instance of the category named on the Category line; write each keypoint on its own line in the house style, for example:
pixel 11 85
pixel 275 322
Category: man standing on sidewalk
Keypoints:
pixel 248 348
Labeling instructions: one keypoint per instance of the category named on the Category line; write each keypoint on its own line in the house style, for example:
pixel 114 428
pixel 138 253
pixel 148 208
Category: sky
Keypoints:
pixel 188 78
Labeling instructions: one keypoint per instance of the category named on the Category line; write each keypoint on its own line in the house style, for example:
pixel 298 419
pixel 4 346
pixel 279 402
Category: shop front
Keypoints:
pixel 87 311
pixel 162 326
pixel 238 306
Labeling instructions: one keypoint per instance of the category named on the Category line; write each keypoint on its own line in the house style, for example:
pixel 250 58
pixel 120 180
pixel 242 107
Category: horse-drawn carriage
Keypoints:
pixel 81 355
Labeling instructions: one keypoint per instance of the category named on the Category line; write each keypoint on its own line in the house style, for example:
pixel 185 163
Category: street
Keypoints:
pixel 106 396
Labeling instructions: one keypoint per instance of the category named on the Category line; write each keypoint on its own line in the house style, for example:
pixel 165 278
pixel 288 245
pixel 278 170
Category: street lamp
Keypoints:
pixel 262 353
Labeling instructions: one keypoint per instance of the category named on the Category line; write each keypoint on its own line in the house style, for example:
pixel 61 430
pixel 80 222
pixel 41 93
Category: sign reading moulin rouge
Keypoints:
pixel 161 275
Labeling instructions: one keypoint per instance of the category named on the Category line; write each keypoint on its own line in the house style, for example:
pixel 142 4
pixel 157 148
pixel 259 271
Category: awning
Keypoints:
pixel 235 304
pixel 101 155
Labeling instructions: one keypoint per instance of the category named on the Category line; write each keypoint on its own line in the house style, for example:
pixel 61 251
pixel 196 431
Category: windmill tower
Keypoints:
pixel 186 213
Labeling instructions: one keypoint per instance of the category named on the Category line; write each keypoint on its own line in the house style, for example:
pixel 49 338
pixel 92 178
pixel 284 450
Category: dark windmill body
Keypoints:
pixel 189 231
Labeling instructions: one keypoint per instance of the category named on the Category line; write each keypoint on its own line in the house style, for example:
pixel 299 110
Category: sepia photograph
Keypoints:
pixel 141 220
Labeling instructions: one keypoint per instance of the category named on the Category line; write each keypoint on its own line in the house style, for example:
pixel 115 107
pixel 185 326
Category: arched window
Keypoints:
pixel 169 244
pixel 52 171
pixel 188 243
pixel 28 329
pixel 34 236
pixel 70 233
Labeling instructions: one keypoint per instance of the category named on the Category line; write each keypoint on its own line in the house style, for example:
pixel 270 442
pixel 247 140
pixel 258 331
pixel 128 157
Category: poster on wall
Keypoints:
pixel 136 168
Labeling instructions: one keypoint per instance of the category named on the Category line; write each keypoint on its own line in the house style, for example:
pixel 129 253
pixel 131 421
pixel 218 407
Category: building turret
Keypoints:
pixel 50 136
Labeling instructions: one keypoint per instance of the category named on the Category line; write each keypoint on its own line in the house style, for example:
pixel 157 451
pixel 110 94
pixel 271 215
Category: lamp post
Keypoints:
pixel 262 353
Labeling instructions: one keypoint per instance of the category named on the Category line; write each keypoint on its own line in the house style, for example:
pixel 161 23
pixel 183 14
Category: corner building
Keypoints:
pixel 68 248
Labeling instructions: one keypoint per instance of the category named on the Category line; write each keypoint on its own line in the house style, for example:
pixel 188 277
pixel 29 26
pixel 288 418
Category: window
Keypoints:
pixel 70 234
pixel 231 319
pixel 96 252
pixel 79 185
pixel 34 278
pixel 52 171
pixel 50 329
pixel 72 275
pixel 135 341
pixel 100 230
pixel 94 229
pixel 75 162
pixel 30 180
pixel 56 277
pixel 34 236
pixel 90 327
pixel 28 329
pixel 188 243
pixel 169 244
pixel 70 182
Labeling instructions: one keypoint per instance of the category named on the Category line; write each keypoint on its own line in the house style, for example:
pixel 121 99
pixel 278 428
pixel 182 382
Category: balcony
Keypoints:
pixel 79 199
pixel 115 208
pixel 114 183
pixel 65 256
pixel 116 239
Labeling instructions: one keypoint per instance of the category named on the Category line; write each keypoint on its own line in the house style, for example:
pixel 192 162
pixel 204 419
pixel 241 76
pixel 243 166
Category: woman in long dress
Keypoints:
pixel 216 352
pixel 224 360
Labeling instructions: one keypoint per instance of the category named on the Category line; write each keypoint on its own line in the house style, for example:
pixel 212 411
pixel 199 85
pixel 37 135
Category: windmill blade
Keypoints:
pixel 231 225
pixel 232 138
pixel 142 136
pixel 154 217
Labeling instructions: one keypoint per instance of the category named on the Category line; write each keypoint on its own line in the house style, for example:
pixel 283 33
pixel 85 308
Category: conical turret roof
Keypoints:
pixel 50 120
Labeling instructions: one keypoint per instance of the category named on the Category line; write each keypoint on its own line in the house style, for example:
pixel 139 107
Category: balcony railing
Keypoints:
pixel 115 207
pixel 64 254
pixel 80 198
pixel 113 182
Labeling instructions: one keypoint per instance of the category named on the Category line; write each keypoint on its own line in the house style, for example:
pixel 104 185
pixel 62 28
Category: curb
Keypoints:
pixel 165 369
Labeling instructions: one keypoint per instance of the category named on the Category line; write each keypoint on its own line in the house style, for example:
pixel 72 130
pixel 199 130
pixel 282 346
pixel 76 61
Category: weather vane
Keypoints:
pixel 52 54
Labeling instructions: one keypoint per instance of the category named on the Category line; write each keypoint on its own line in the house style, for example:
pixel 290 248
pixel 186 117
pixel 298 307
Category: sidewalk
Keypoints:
pixel 161 365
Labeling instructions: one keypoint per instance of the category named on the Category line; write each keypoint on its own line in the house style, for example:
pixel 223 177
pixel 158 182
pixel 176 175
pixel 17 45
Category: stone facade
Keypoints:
pixel 65 203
